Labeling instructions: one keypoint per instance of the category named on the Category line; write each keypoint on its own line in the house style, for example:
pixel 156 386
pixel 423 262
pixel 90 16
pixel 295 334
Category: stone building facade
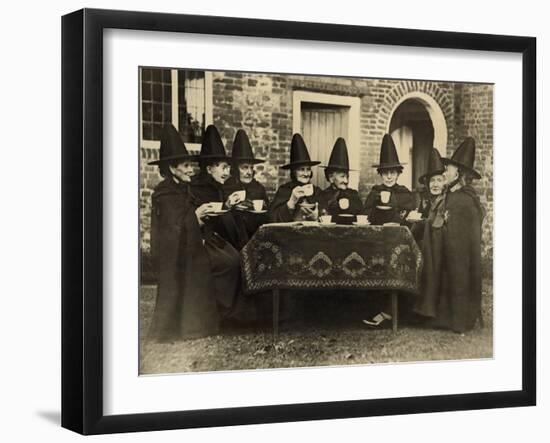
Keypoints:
pixel 271 107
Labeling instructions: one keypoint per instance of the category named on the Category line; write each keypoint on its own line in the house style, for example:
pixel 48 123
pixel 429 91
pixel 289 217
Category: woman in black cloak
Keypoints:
pixel 186 300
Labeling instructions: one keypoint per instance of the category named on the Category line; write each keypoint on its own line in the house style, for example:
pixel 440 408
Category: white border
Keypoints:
pixel 125 392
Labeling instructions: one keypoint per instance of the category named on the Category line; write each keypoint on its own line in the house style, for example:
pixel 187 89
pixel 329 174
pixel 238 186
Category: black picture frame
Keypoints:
pixel 82 215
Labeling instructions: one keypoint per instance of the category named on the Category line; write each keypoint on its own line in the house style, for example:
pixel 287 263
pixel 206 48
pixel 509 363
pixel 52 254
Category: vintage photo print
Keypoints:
pixel 292 221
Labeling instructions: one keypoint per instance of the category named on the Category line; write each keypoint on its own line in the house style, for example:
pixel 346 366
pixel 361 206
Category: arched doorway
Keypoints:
pixel 416 125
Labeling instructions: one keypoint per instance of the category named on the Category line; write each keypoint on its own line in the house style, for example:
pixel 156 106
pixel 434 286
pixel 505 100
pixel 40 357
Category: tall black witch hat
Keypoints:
pixel 299 156
pixel 464 157
pixel 172 146
pixel 388 154
pixel 339 156
pixel 212 145
pixel 242 151
pixel 435 167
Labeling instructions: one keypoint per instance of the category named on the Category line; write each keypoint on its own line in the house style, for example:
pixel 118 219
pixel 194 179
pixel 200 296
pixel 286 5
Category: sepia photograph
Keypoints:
pixel 297 221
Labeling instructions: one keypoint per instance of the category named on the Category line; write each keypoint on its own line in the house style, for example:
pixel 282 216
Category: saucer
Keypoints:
pixel 360 224
pixel 384 207
pixel 327 224
pixel 261 211
pixel 308 223
pixel 215 213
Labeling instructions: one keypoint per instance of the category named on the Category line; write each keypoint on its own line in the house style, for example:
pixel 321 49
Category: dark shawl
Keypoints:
pixel 401 199
pixel 279 212
pixel 426 303
pixel 185 304
pixel 460 304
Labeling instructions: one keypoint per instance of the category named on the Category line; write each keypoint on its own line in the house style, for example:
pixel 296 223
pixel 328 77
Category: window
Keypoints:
pixel 191 105
pixel 156 101
pixel 177 96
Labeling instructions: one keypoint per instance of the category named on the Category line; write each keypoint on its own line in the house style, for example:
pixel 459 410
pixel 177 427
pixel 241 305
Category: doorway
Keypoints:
pixel 412 131
pixel 321 119
pixel 321 126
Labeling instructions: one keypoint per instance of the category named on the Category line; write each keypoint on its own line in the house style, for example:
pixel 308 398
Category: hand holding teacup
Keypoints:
pixel 310 211
pixel 297 193
pixel 202 212
pixel 414 216
pixel 308 189
pixel 235 198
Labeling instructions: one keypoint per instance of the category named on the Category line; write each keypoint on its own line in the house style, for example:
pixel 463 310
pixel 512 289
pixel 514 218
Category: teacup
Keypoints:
pixel 216 206
pixel 258 205
pixel 241 195
pixel 308 189
pixel 325 219
pixel 414 216
pixel 343 203
pixel 385 196
pixel 362 220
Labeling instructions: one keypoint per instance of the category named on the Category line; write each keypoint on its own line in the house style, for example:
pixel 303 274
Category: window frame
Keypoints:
pixel 208 109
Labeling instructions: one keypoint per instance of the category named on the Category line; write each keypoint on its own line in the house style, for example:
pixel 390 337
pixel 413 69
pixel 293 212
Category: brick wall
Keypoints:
pixel 261 104
pixel 474 117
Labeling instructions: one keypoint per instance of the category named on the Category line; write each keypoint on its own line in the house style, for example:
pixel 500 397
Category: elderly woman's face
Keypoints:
pixel 451 173
pixel 219 171
pixel 339 179
pixel 436 184
pixel 303 174
pixel 183 171
pixel 389 177
pixel 246 172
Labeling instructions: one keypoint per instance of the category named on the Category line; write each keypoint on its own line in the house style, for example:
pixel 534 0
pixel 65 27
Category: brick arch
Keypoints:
pixel 434 100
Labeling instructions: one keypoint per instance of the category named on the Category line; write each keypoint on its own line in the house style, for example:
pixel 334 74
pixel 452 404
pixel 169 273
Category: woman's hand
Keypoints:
pixel 234 199
pixel 414 215
pixel 297 193
pixel 202 212
pixel 310 214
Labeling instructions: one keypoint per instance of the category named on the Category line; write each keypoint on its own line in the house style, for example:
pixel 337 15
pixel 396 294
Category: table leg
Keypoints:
pixel 394 309
pixel 275 314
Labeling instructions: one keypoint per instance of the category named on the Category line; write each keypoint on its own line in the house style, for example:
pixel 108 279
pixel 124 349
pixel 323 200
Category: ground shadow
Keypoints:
pixel 54 417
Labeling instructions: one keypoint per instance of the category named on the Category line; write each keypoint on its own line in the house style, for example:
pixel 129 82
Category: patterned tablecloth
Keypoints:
pixel 313 256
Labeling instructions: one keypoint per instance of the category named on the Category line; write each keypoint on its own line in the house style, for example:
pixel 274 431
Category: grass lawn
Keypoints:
pixel 321 331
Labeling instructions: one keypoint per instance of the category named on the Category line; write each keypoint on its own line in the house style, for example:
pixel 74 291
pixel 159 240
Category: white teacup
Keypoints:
pixel 362 220
pixel 325 219
pixel 241 195
pixel 308 189
pixel 414 216
pixel 385 196
pixel 258 205
pixel 216 206
pixel 343 203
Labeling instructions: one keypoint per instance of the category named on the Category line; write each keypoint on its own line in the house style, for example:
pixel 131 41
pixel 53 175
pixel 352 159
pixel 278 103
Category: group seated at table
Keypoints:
pixel 200 223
